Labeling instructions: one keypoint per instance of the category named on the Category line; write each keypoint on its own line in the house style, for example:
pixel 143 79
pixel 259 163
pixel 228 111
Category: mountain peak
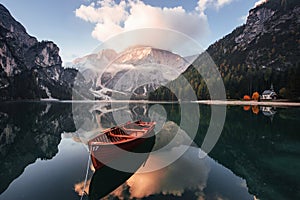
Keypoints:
pixel 11 28
pixel 141 54
pixel 278 5
pixel 137 47
pixel 134 54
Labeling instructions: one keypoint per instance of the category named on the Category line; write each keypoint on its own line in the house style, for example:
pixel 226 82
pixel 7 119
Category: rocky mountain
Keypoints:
pixel 263 51
pixel 134 72
pixel 92 66
pixel 30 69
pixel 269 38
pixel 140 55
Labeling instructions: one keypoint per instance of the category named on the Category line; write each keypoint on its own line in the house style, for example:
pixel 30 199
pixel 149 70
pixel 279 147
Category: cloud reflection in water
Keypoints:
pixel 174 179
pixel 204 177
pixel 187 174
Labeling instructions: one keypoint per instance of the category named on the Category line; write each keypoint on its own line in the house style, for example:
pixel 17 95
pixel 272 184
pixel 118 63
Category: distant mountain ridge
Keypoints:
pixel 134 72
pixel 30 69
pixel 262 52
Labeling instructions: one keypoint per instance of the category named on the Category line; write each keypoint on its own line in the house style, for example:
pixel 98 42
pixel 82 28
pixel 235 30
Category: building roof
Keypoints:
pixel 268 92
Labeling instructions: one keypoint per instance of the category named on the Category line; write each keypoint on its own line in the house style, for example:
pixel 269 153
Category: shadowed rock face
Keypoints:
pixel 268 26
pixel 29 132
pixel 30 69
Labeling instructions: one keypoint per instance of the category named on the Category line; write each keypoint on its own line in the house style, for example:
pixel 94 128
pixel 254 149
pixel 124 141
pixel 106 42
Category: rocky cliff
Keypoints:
pixel 269 38
pixel 30 69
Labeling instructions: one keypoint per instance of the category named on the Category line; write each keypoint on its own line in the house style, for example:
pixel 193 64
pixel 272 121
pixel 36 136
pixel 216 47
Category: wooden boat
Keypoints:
pixel 106 179
pixel 105 147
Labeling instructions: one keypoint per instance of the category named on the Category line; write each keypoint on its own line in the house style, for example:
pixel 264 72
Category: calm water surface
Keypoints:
pixel 43 154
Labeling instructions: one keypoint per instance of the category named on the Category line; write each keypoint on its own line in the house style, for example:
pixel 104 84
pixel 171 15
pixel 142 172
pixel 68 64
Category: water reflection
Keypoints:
pixel 268 111
pixel 264 152
pixel 89 117
pixel 189 173
pixel 50 179
pixel 29 131
pixel 42 153
pixel 187 178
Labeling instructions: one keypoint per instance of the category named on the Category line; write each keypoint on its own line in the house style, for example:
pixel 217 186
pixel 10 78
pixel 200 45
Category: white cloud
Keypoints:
pixel 108 11
pixel 104 30
pixel 217 4
pixel 202 5
pixel 221 3
pixel 145 16
pixel 112 18
pixel 259 2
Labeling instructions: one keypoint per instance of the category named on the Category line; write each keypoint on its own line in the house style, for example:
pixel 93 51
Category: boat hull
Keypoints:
pixel 104 153
pixel 106 179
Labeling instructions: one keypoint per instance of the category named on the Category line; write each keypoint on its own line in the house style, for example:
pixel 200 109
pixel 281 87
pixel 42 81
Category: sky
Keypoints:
pixel 78 27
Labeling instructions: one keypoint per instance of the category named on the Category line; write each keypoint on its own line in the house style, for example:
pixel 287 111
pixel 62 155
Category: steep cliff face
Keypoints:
pixel 42 54
pixel 30 69
pixel 14 42
pixel 254 26
pixel 269 38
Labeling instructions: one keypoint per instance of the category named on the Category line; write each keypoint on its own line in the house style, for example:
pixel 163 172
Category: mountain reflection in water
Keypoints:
pixel 43 153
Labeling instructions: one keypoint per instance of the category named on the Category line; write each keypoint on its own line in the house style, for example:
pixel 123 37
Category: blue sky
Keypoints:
pixel 76 25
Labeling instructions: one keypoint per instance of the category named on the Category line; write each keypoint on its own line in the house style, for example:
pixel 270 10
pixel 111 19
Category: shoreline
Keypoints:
pixel 206 102
pixel 249 103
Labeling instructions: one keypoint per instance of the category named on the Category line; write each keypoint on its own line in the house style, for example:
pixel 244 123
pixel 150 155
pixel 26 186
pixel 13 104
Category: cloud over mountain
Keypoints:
pixel 111 18
pixel 204 4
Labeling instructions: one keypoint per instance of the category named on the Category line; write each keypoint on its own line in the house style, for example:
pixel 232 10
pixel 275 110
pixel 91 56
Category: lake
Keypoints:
pixel 43 152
